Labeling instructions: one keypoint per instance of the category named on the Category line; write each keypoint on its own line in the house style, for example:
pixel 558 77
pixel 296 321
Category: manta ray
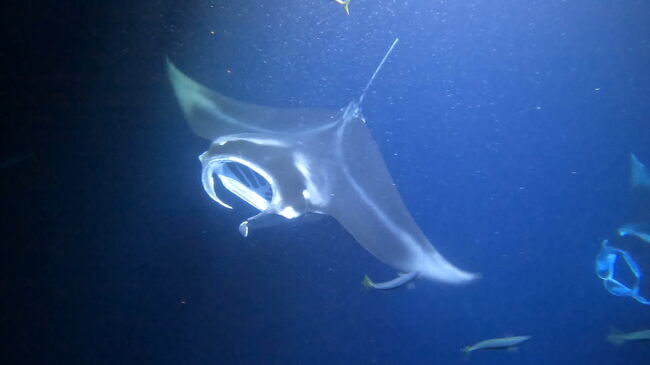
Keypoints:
pixel 292 162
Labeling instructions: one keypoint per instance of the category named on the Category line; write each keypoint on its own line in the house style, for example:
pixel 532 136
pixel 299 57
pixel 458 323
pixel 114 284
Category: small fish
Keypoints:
pixel 503 343
pixel 346 5
pixel 620 338
pixel 400 281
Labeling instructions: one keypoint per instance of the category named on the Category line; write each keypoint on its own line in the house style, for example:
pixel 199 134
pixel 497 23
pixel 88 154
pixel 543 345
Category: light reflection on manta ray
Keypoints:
pixel 290 162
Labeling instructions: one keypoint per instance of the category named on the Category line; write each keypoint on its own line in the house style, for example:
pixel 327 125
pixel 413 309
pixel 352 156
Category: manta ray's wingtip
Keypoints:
pixel 200 105
pixel 466 278
pixel 443 271
pixel 171 67
pixel 475 276
pixel 180 81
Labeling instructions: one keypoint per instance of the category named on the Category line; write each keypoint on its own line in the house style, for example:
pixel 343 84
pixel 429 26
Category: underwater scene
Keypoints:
pixel 326 182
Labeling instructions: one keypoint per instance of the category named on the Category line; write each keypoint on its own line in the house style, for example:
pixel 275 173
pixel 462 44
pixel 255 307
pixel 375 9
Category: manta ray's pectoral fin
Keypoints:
pixel 212 115
pixel 260 220
pixel 398 282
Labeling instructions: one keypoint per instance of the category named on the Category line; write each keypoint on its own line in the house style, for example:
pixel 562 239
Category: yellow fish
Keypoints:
pixel 345 4
pixel 620 338
pixel 496 343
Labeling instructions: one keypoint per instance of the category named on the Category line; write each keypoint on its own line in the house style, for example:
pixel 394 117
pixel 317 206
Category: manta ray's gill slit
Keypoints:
pixel 244 174
pixel 244 183
pixel 251 177
pixel 233 169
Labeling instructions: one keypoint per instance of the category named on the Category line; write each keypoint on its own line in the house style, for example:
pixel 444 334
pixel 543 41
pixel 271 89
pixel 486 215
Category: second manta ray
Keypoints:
pixel 291 162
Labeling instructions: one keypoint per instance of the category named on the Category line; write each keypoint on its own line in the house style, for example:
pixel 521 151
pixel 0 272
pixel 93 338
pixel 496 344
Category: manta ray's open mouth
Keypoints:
pixel 239 179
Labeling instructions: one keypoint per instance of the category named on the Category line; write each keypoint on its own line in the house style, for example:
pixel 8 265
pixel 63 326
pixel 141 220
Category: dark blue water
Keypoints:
pixel 507 127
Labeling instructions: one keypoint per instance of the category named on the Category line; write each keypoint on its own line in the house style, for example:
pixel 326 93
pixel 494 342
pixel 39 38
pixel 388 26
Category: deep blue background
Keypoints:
pixel 507 126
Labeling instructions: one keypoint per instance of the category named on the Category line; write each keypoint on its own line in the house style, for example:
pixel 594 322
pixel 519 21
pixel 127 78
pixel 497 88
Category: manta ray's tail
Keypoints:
pixel 374 74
